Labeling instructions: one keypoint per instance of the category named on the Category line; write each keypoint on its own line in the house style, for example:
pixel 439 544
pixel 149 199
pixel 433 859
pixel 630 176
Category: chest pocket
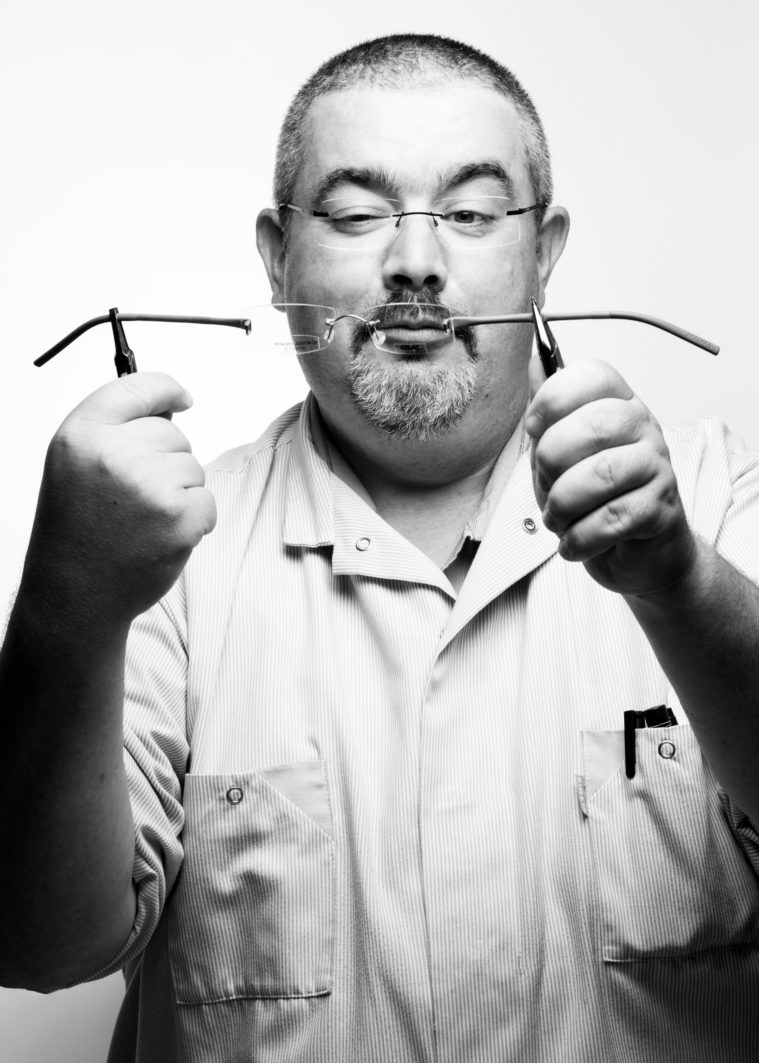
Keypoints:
pixel 673 879
pixel 252 912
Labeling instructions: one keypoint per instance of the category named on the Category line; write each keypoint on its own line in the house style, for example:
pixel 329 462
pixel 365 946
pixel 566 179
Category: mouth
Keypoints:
pixel 416 333
pixel 409 320
pixel 416 338
pixel 409 330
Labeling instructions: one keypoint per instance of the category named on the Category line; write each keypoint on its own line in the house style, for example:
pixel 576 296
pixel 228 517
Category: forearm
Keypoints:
pixel 705 633
pixel 66 830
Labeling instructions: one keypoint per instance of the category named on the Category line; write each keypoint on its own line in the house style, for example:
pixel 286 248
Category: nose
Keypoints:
pixel 416 256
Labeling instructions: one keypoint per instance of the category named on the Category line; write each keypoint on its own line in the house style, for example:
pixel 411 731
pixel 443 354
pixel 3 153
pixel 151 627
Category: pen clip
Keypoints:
pixel 124 359
pixel 631 723
pixel 548 348
pixel 656 716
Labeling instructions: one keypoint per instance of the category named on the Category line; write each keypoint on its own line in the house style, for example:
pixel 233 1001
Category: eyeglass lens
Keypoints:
pixel 466 223
pixel 305 328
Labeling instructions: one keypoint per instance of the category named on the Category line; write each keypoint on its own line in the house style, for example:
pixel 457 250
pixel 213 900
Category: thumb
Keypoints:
pixel 536 415
pixel 134 396
pixel 536 375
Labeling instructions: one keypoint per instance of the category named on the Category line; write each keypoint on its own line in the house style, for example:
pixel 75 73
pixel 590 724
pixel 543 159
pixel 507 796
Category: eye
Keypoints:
pixel 356 214
pixel 474 214
pixel 472 218
pixel 465 216
pixel 356 217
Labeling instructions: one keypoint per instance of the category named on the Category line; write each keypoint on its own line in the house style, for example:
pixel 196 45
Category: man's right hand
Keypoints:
pixel 122 502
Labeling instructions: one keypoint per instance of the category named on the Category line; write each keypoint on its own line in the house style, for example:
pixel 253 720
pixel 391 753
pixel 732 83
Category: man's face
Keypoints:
pixel 415 147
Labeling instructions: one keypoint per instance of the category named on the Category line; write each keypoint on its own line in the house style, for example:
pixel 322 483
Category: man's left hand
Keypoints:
pixel 604 481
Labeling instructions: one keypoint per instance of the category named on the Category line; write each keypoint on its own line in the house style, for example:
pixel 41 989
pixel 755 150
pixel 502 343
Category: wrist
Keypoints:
pixel 692 579
pixel 61 611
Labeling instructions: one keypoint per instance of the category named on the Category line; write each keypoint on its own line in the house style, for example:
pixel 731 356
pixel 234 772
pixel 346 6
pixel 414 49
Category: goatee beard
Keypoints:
pixel 413 398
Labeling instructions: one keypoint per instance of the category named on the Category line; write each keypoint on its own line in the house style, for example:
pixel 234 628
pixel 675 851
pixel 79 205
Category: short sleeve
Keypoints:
pixel 738 539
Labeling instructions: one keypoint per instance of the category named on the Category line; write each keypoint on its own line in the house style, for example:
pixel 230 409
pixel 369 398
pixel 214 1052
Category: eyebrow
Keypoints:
pixel 473 170
pixel 379 180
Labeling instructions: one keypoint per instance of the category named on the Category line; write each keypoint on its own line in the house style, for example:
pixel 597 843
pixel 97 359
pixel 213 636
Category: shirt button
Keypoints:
pixel 529 525
pixel 667 750
pixel 363 543
pixel 234 795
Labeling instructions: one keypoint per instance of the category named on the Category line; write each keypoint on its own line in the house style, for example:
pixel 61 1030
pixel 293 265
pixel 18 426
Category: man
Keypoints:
pixel 373 802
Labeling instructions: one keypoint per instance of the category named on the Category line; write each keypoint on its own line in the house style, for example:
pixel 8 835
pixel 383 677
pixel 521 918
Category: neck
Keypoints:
pixel 432 518
pixel 433 490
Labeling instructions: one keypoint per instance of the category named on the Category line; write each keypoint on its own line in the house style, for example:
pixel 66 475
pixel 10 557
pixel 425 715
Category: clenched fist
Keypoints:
pixel 604 481
pixel 122 502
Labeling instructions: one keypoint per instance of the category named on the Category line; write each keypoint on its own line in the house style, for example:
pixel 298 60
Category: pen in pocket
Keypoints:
pixel 657 716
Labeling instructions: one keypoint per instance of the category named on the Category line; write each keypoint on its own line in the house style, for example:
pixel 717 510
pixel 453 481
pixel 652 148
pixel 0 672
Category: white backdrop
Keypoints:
pixel 139 139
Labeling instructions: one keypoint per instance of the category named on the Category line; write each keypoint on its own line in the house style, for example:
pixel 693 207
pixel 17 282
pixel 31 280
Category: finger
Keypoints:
pixel 199 516
pixel 570 389
pixel 637 515
pixel 181 469
pixel 591 429
pixel 540 485
pixel 597 481
pixel 536 375
pixel 155 432
pixel 133 396
pixel 191 471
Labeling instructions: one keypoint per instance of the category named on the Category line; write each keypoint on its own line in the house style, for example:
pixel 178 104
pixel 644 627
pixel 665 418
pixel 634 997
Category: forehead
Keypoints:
pixel 416 135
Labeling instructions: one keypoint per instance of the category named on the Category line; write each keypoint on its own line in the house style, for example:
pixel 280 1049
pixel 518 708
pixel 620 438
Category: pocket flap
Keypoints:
pixel 252 911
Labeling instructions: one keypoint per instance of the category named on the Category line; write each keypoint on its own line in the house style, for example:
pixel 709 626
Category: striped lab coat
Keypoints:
pixel 380 821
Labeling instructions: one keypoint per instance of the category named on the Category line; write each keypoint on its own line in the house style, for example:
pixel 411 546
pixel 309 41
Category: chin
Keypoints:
pixel 414 399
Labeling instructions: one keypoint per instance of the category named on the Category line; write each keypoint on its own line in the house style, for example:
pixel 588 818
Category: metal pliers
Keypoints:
pixel 548 348
pixel 124 360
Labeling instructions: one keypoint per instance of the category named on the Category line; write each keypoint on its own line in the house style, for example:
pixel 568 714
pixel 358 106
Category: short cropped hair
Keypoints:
pixel 403 60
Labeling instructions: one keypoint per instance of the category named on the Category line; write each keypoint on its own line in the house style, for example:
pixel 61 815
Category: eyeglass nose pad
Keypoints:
pixel 411 213
pixel 378 336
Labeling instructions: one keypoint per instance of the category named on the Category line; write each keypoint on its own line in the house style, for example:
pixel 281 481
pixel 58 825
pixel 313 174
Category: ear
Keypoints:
pixel 270 244
pixel 553 236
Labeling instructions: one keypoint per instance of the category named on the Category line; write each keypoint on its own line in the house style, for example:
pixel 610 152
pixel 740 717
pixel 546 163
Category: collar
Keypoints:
pixel 500 475
pixel 326 505
pixel 308 516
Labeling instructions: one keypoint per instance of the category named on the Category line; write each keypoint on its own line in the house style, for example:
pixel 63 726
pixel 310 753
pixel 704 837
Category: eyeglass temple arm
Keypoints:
pixel 233 322
pixel 657 322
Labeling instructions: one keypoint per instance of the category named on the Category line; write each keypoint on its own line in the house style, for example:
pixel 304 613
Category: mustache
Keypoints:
pixel 427 298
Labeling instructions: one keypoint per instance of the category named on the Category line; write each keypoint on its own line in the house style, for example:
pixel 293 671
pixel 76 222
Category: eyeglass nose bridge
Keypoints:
pixel 407 213
pixel 441 244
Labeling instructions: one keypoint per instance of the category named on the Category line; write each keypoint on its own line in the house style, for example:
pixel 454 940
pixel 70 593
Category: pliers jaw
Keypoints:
pixel 124 359
pixel 548 348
